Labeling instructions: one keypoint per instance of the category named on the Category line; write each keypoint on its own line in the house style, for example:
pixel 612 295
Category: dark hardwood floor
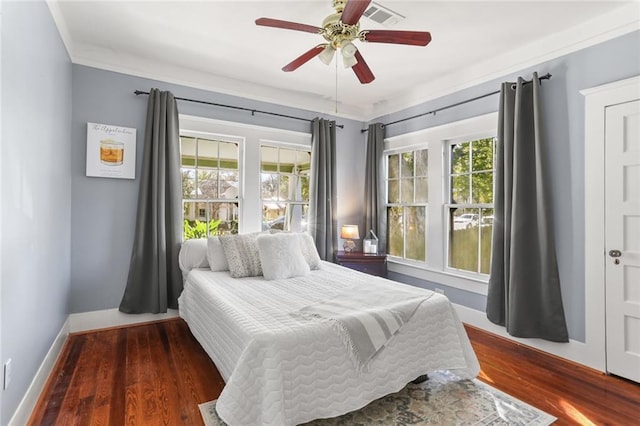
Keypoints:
pixel 157 374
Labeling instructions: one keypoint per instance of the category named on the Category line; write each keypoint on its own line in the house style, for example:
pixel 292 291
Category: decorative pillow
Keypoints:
pixel 242 254
pixel 281 256
pixel 193 254
pixel 309 251
pixel 215 255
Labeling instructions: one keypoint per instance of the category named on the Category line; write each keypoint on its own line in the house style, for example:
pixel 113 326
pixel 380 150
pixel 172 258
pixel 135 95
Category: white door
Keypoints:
pixel 622 239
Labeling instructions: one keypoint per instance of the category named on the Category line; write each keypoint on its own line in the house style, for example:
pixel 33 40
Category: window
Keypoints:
pixel 439 202
pixel 284 187
pixel 470 204
pixel 210 186
pixel 407 186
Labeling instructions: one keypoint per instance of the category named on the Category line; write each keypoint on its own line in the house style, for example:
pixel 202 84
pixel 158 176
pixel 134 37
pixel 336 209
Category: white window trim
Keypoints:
pixel 250 137
pixel 435 139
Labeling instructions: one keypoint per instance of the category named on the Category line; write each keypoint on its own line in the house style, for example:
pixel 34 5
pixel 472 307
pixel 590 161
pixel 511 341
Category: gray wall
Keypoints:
pixel 564 130
pixel 36 191
pixel 103 210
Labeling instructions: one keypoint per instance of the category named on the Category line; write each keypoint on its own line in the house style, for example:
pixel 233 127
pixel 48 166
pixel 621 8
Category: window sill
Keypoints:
pixel 448 278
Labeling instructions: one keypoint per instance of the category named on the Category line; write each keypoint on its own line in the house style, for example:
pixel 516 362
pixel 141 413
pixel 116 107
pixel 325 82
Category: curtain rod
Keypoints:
pixel 547 76
pixel 253 111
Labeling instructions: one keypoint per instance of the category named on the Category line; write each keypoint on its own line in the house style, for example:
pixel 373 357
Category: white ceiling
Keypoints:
pixel 215 45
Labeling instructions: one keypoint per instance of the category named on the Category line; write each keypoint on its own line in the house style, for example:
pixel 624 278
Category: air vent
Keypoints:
pixel 382 15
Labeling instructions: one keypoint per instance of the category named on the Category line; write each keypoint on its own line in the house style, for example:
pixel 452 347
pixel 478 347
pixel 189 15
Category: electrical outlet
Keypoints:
pixel 439 290
pixel 7 373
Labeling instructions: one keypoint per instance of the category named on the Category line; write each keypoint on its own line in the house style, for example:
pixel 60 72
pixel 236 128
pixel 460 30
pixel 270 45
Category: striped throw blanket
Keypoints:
pixel 366 322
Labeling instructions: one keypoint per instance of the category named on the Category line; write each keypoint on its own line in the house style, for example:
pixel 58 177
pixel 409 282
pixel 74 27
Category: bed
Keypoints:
pixel 281 368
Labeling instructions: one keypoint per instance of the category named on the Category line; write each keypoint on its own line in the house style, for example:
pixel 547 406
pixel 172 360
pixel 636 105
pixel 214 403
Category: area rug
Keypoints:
pixel 444 399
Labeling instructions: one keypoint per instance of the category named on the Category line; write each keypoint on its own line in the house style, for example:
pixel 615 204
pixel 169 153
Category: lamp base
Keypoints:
pixel 349 246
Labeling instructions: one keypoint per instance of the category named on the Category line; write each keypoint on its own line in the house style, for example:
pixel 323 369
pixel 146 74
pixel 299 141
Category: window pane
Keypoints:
pixel 303 160
pixel 223 218
pixel 394 191
pixel 394 166
pixel 295 217
pixel 195 220
pixel 207 184
pixel 295 188
pixel 482 155
pixel 463 240
pixel 268 159
pixel 422 162
pixel 460 189
pixel 188 151
pixel 422 190
pixel 396 235
pixel 486 234
pixel 482 187
pixel 406 164
pixel 269 183
pixel 228 184
pixel 284 189
pixel 228 155
pixel 304 188
pixel 207 154
pixel 273 215
pixel 406 186
pixel 460 157
pixel 415 233
pixel 188 183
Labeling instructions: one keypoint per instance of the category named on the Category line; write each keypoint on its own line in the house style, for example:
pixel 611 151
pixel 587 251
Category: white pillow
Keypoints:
pixel 242 255
pixel 309 251
pixel 281 256
pixel 193 254
pixel 215 255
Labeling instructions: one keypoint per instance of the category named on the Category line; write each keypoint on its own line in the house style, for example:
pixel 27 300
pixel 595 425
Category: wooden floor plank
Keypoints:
pixel 157 374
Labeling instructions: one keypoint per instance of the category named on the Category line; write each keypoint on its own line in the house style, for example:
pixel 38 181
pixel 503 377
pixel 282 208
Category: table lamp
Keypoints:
pixel 348 234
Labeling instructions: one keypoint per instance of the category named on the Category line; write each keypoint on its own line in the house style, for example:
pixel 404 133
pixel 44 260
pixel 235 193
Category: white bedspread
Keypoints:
pixel 282 370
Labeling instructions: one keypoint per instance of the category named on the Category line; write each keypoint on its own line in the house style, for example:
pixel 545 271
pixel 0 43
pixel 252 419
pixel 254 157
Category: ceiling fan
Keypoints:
pixel 339 30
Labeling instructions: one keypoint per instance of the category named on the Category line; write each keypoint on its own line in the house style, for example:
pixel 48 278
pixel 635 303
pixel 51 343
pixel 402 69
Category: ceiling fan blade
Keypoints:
pixel 288 25
pixel 353 11
pixel 414 38
pixel 304 58
pixel 362 70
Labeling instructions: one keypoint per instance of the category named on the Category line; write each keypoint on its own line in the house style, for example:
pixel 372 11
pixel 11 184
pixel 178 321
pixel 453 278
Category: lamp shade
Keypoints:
pixel 327 54
pixel 349 232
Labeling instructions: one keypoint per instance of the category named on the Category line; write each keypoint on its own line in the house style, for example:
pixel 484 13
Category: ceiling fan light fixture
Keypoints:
pixel 348 51
pixel 349 61
pixel 326 56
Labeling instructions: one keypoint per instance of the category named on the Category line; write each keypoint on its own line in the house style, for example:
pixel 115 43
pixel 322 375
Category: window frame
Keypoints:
pixel 436 139
pixel 250 137
pixel 207 201
pixel 448 204
pixel 402 204
pixel 289 146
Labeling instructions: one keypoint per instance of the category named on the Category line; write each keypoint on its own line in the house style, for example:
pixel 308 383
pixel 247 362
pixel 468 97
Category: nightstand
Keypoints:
pixel 373 264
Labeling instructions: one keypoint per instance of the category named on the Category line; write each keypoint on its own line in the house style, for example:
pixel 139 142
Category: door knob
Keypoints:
pixel 615 253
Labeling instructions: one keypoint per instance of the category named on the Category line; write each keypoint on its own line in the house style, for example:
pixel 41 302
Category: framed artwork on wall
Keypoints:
pixel 111 151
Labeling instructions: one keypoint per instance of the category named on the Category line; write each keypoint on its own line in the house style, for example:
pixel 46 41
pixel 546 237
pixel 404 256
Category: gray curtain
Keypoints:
pixel 154 281
pixel 524 287
pixel 374 212
pixel 322 204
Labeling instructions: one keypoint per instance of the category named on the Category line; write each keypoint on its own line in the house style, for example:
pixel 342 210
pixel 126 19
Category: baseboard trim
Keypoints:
pixel 108 318
pixel 26 406
pixel 75 323
pixel 574 351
